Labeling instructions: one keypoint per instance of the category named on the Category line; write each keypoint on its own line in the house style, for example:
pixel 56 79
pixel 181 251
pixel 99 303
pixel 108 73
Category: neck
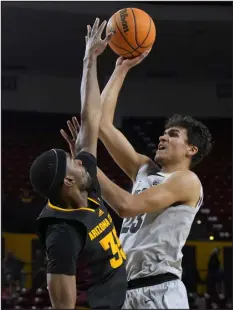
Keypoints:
pixel 169 168
pixel 79 201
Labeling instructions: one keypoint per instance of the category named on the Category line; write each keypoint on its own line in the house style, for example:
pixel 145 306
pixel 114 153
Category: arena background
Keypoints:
pixel 189 71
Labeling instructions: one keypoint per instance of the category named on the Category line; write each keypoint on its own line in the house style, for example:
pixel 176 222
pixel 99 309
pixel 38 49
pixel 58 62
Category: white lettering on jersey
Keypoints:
pixel 153 242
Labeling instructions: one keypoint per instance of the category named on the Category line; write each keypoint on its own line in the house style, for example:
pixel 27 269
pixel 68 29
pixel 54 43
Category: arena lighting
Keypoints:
pixel 211 238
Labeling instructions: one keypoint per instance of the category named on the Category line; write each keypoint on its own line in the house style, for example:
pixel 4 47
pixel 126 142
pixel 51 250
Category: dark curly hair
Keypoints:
pixel 198 135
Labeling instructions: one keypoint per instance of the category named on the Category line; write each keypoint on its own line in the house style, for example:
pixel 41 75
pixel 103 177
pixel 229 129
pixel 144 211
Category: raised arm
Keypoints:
pixel 90 93
pixel 115 142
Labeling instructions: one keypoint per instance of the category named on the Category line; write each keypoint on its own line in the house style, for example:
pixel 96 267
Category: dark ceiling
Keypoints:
pixel 50 40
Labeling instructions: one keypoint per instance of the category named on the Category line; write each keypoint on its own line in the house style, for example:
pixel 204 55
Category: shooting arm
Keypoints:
pixel 181 187
pixel 115 142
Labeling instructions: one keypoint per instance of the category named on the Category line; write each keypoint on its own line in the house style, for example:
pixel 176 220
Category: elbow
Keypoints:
pixel 55 297
pixel 105 130
pixel 126 207
pixel 121 214
pixel 62 300
pixel 57 303
pixel 62 291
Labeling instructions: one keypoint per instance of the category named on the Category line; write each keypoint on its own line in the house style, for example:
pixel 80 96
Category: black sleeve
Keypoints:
pixel 90 163
pixel 63 244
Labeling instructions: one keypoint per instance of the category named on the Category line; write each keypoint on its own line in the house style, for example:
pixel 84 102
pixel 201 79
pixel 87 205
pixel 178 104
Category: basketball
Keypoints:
pixel 134 30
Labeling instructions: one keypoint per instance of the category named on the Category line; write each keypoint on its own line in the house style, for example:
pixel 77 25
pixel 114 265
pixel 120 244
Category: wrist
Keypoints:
pixel 122 72
pixel 89 58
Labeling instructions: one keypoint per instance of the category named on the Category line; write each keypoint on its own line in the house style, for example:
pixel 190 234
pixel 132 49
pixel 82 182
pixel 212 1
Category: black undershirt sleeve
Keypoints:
pixel 64 242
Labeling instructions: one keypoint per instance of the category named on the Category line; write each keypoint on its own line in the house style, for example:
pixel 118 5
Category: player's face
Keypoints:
pixel 76 170
pixel 173 146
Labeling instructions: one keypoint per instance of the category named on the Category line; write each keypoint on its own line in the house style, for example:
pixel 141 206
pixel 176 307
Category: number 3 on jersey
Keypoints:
pixel 111 241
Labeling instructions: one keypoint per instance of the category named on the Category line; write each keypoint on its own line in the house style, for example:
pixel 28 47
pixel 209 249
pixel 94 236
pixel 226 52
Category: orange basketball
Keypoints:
pixel 135 32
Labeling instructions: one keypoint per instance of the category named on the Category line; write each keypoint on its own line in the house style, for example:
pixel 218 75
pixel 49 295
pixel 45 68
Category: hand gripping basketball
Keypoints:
pixel 126 64
pixel 94 44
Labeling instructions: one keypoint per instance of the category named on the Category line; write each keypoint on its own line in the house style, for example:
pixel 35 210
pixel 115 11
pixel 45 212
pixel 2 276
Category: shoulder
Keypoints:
pixel 65 228
pixel 185 176
pixel 186 184
pixel 148 167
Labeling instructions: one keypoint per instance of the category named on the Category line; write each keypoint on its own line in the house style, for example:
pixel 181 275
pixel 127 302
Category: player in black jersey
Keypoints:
pixel 75 227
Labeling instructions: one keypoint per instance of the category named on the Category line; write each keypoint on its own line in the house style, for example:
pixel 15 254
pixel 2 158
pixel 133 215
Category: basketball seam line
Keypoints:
pixel 147 36
pixel 135 25
pixel 124 37
pixel 136 50
pixel 128 52
pixel 147 45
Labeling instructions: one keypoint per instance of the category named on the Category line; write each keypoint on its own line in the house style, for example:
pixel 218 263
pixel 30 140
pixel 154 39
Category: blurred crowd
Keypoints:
pixel 215 293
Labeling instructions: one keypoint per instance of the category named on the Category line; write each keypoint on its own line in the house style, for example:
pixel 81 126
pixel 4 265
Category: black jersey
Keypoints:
pixel 100 263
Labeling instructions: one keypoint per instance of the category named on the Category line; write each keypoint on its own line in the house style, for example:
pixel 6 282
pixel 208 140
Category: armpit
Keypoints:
pixel 149 168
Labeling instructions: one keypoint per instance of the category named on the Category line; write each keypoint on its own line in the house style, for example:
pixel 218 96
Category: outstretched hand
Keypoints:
pixel 94 44
pixel 71 138
pixel 127 63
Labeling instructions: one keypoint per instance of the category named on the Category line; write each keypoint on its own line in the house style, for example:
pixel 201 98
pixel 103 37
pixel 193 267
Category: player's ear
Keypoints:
pixel 69 180
pixel 192 150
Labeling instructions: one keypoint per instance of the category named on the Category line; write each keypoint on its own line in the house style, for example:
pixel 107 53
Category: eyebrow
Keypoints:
pixel 171 130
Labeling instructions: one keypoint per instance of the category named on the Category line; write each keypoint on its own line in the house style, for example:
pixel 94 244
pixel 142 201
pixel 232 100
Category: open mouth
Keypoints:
pixel 161 148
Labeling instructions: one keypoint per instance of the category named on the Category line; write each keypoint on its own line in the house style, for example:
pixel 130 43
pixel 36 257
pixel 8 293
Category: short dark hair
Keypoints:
pixel 47 173
pixel 198 135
